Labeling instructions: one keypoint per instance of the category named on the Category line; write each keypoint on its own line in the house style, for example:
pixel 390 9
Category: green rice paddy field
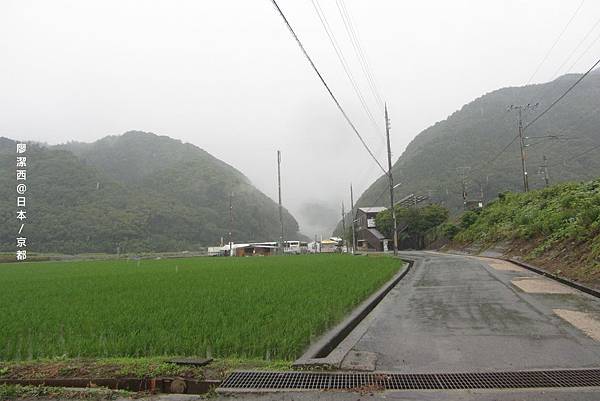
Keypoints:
pixel 269 308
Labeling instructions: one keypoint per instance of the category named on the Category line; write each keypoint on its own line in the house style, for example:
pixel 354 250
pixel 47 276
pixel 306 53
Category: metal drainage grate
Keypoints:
pixel 244 381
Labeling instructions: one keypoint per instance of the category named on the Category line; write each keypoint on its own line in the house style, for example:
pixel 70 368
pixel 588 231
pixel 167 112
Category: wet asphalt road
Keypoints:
pixel 460 314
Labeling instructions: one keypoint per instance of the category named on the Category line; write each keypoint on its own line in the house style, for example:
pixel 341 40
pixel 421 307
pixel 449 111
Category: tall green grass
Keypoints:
pixel 226 307
pixel 564 213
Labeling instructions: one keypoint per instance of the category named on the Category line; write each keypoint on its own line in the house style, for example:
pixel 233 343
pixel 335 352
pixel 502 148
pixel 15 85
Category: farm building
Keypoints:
pixel 368 237
pixel 252 249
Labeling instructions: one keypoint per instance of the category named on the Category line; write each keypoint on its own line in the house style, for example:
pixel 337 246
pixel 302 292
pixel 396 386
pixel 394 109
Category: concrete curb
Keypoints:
pixel 320 353
pixel 562 280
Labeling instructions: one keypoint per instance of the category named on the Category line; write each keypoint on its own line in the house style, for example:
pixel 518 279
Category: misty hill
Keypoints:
pixel 474 135
pixel 137 191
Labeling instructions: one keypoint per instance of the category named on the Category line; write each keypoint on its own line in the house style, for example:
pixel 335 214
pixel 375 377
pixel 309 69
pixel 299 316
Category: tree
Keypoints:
pixel 415 221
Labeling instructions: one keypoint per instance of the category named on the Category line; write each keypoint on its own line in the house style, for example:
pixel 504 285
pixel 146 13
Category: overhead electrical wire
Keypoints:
pixel 337 103
pixel 558 72
pixel 338 51
pixel 358 50
pixel 582 41
pixel 489 163
pixel 564 161
pixel 502 151
pixel 555 42
pixel 584 52
pixel 547 109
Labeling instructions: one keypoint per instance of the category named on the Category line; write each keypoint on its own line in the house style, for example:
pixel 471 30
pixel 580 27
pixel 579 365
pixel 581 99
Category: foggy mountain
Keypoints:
pixel 138 192
pixel 474 136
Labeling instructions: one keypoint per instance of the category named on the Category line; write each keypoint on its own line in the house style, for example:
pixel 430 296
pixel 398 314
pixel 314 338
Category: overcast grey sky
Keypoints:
pixel 227 76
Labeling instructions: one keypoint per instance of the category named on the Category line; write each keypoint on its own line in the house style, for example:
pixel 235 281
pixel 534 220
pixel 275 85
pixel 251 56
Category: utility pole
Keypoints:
pixel 230 223
pixel 391 180
pixel 344 228
pixel 352 219
pixel 523 152
pixel 544 171
pixel 281 239
pixel 522 144
pixel 462 171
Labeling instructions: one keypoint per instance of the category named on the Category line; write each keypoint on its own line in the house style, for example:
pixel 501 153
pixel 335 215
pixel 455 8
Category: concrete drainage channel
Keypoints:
pixel 294 381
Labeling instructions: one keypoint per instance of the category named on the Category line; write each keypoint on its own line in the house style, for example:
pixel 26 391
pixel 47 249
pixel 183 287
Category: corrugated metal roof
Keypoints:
pixel 372 209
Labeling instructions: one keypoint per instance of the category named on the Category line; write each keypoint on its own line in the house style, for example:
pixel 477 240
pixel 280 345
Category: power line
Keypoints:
pixel 342 59
pixel 555 42
pixel 557 73
pixel 326 86
pixel 577 156
pixel 577 48
pixel 561 96
pixel 358 50
pixel 502 151
pixel 584 52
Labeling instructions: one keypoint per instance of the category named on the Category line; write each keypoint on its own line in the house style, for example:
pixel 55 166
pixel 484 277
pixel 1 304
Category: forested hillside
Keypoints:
pixel 135 192
pixel 557 227
pixel 474 136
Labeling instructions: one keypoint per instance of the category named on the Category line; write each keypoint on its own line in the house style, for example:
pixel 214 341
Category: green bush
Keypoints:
pixel 449 230
pixel 568 212
pixel 468 219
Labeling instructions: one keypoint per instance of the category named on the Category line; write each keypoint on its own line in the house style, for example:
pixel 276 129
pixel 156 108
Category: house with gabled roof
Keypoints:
pixel 368 237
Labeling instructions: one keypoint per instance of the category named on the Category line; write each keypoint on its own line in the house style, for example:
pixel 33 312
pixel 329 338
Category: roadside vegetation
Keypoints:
pixel 15 391
pixel 143 367
pixel 413 223
pixel 558 227
pixel 249 308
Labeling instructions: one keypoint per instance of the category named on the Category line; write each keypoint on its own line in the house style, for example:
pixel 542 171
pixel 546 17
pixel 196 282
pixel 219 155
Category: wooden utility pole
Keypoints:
pixel 281 239
pixel 544 170
pixel 230 223
pixel 352 219
pixel 344 228
pixel 463 171
pixel 391 180
pixel 523 151
pixel 522 144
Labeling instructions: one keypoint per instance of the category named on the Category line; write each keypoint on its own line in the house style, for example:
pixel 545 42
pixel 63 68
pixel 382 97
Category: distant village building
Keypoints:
pixel 253 249
pixel 368 237
pixel 295 247
pixel 258 249
pixel 263 249
pixel 330 245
